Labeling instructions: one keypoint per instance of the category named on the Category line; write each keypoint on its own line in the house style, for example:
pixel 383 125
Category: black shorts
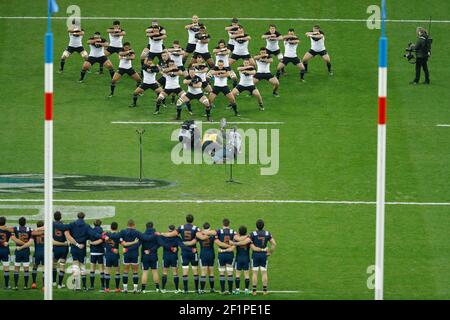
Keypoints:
pixel 170 91
pixel 315 53
pixel 273 53
pixel 129 72
pixel 113 50
pixel 242 88
pixel 99 60
pixel 145 86
pixel 206 56
pixel 294 61
pixel 205 84
pixel 225 90
pixel 152 55
pixel 75 49
pixel 190 47
pixel 230 46
pixel 263 76
pixel 237 56
pixel 192 96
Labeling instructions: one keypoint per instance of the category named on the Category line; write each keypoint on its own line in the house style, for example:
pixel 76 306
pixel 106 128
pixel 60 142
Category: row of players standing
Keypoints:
pixel 104 252
pixel 171 62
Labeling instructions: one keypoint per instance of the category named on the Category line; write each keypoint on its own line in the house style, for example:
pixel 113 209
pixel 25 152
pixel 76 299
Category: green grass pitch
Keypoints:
pixel 327 143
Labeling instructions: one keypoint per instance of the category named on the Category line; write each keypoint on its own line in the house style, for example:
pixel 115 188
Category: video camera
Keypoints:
pixel 409 55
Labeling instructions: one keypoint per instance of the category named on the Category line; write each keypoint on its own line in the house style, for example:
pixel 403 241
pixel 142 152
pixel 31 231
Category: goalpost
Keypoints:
pixel 381 158
pixel 48 151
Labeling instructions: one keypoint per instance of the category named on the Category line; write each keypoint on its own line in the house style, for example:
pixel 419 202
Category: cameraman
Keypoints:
pixel 422 49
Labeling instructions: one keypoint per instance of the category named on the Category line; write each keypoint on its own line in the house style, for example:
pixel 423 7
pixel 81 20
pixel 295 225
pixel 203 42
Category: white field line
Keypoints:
pixel 180 122
pixel 226 19
pixel 228 201
pixel 443 125
pixel 242 292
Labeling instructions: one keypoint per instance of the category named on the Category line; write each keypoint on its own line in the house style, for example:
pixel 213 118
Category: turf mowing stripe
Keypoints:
pixel 180 122
pixel 227 19
pixel 230 201
pixel 443 125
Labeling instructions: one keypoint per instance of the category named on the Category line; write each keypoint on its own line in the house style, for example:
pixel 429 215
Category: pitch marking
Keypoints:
pixel 230 201
pixel 225 19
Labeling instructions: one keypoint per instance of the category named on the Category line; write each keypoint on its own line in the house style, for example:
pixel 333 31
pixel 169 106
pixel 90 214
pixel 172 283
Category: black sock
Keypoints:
pixel 101 68
pixel 113 87
pixel 6 276
pixel 178 112
pixel 138 83
pixel 26 277
pixel 142 63
pixel 302 74
pixel 135 97
pixel 235 83
pixel 92 278
pixel 176 281
pixel 117 278
pixel 230 283
pixel 265 288
pixel 16 278
pixel 278 74
pixel 306 66
pixel 188 105
pixel 211 282
pixel 111 72
pixel 34 275
pixel 83 280
pixel 282 70
pixel 107 279
pixel 102 279
pixel 157 286
pixel 208 112
pixel 54 275
pixel 185 283
pixel 329 66
pixel 135 278
pixel 202 283
pixel 82 75
pixel 143 286
pixel 125 279
pixel 196 283
pixel 247 283
pixel 254 288
pixel 238 282
pixel 173 99
pixel 222 283
pixel 63 62
pixel 158 104
pixel 60 277
pixel 164 281
pixel 234 106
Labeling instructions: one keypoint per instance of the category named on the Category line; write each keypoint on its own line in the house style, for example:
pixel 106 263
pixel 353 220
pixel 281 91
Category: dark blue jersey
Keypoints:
pixel 243 251
pixel 225 235
pixel 58 231
pixel 150 241
pixel 99 248
pixel 112 242
pixel 24 234
pixel 81 231
pixel 38 243
pixel 129 235
pixel 5 234
pixel 187 232
pixel 207 245
pixel 170 244
pixel 260 238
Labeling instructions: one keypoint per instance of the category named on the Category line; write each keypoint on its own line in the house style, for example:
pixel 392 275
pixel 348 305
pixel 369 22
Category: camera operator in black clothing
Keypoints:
pixel 422 48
